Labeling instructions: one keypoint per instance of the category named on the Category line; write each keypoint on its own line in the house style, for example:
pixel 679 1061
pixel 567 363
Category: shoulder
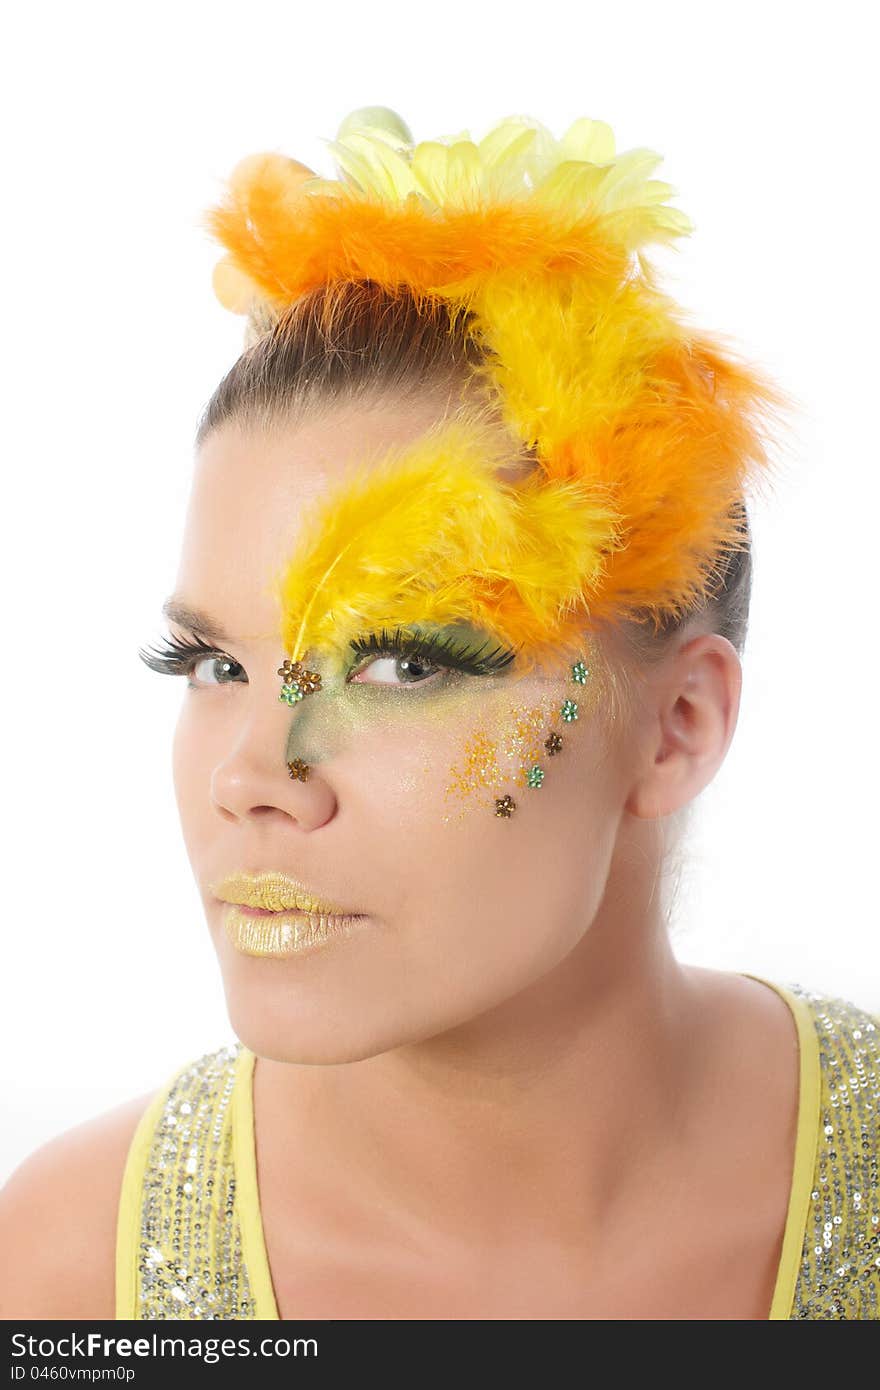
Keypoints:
pixel 840 1045
pixel 58 1213
pixel 60 1208
pixel 840 1024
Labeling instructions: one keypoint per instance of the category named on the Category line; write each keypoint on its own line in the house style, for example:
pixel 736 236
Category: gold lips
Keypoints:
pixel 284 933
pixel 274 892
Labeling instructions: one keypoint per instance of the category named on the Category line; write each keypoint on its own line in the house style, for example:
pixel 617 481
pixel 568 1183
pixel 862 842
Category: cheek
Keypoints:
pixel 183 757
pixel 504 758
pixel 201 740
pixel 528 786
pixel 485 903
pixel 520 841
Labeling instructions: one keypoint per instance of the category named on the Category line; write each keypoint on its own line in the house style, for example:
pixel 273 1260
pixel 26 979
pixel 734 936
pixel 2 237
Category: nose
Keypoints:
pixel 252 776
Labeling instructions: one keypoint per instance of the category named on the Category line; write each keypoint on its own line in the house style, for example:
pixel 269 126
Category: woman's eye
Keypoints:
pixel 404 670
pixel 396 659
pixel 218 665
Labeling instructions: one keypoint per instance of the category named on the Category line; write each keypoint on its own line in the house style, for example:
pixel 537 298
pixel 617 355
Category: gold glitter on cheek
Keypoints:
pixel 527 739
pixel 524 744
pixel 479 768
pixel 493 762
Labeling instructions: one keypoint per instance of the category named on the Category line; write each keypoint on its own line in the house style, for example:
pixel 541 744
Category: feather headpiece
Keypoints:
pixel 646 433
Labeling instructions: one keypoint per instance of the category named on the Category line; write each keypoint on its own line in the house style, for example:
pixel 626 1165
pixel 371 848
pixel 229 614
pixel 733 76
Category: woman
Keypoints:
pixel 461 601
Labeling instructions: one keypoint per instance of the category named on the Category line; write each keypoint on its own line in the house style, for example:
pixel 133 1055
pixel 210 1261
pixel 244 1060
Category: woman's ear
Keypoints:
pixel 692 701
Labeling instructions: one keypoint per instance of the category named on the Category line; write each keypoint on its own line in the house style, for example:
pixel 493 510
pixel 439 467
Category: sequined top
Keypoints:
pixel 190 1241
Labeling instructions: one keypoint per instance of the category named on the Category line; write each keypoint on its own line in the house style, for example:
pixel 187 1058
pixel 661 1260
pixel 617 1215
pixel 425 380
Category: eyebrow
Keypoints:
pixel 198 622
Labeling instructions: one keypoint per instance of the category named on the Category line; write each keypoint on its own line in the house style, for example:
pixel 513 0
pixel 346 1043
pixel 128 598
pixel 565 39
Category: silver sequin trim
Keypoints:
pixel 190 1263
pixel 839 1276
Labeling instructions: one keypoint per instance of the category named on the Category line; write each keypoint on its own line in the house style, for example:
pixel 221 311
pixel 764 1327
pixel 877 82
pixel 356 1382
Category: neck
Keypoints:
pixel 541 1115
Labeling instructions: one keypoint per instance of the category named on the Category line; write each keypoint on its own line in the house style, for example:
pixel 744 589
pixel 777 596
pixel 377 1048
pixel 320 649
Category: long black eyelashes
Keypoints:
pixel 436 649
pixel 176 656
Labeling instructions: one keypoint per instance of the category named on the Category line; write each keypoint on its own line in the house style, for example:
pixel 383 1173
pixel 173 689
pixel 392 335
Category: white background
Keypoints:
pixel 119 126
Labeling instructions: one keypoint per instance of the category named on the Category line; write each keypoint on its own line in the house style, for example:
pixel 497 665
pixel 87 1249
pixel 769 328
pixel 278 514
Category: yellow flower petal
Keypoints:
pixel 464 174
pixel 589 140
pixel 373 165
pixel 573 186
pixel 503 152
pixel 429 162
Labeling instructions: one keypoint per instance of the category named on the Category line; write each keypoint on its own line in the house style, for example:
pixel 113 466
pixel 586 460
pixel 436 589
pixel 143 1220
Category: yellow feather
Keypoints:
pixel 430 534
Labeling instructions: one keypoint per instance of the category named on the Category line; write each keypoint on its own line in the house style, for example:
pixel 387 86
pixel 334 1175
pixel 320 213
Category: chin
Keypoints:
pixel 319 1030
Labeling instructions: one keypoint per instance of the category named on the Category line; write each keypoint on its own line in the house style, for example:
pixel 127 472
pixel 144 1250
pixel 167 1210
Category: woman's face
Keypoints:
pixel 460 908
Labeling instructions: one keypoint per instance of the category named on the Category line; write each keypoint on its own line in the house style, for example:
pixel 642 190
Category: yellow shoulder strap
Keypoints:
pixel 806 1140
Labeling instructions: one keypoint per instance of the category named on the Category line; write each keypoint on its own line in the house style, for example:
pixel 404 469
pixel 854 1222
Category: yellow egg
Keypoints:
pixel 268 163
pixel 233 289
pixel 376 118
